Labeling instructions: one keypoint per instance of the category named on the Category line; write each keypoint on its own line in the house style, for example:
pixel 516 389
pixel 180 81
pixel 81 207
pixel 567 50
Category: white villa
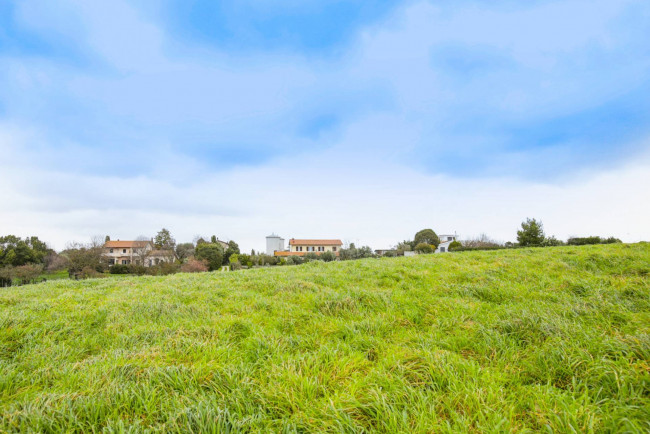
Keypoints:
pixel 136 252
pixel 445 241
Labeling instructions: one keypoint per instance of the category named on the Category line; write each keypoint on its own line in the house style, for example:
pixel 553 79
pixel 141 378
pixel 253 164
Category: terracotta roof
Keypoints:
pixel 285 253
pixel 125 244
pixel 294 242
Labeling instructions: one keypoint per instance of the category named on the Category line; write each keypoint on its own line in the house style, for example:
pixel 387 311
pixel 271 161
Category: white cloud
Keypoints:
pixel 363 183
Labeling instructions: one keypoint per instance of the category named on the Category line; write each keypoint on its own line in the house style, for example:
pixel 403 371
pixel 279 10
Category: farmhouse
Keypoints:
pixel 136 252
pixel 302 247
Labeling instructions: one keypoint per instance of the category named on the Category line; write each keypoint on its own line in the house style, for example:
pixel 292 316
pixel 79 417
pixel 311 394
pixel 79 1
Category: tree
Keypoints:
pixel 213 240
pixel 184 251
pixel 455 245
pixel 55 262
pixel 356 253
pixel 141 249
pixel 482 241
pixel 531 233
pixel 16 251
pixel 233 249
pixel 83 257
pixel 426 236
pixel 212 253
pixel 164 240
pixel 28 273
pixel 107 239
pixel 425 248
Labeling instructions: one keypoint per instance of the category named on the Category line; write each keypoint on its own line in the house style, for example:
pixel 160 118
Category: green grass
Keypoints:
pixel 552 340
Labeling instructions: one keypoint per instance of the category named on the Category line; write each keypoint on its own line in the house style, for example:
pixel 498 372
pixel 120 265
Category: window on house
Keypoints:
pixel 450 238
pixel 334 249
pixel 442 249
pixel 321 248
pixel 111 261
pixel 111 250
pixel 123 250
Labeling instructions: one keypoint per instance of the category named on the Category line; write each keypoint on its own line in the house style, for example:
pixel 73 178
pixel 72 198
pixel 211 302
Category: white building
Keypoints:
pixel 445 241
pixel 136 252
pixel 274 243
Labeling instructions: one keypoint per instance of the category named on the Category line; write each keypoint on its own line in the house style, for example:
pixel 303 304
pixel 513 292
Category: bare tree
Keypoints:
pixel 483 240
pixel 141 249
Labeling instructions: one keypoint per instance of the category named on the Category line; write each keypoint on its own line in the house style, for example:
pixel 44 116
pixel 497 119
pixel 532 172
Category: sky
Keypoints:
pixel 363 121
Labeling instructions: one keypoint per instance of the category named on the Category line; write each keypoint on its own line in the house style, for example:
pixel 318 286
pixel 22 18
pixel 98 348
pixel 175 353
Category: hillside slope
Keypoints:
pixel 504 340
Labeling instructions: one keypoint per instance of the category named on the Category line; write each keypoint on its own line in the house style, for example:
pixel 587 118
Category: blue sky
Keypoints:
pixel 183 111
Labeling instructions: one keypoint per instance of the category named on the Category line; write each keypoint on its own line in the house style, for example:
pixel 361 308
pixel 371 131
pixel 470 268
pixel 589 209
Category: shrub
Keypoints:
pixel 163 269
pixel 137 269
pixel 28 273
pixel 552 241
pixel 455 245
pixel 328 256
pixel 6 276
pixel 119 269
pixel 245 259
pixel 193 265
pixel 294 260
pixel 582 241
pixel 311 256
pixel 425 248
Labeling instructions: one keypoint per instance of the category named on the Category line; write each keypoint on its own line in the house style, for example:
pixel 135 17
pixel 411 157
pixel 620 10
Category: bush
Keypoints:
pixel 6 276
pixel 119 269
pixel 353 253
pixel 582 241
pixel 294 260
pixel 328 257
pixel 163 269
pixel 137 269
pixel 88 273
pixel 193 265
pixel 552 242
pixel 311 256
pixel 425 248
pixel 28 273
pixel 455 245
pixel 245 260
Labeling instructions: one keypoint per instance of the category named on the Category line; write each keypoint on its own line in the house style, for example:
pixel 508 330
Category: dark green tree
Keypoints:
pixel 531 233
pixel 426 236
pixel 211 253
pixel 164 240
pixel 233 249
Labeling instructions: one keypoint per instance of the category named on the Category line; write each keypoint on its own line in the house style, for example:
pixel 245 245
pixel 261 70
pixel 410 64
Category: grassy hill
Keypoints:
pixel 536 339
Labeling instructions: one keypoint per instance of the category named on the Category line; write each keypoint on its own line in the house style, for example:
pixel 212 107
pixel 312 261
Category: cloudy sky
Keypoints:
pixel 360 120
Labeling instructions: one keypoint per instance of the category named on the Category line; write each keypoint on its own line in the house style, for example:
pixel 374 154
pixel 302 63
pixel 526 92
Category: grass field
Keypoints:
pixel 553 339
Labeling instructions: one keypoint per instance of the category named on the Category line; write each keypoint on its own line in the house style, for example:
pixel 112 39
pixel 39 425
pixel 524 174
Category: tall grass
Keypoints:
pixel 551 340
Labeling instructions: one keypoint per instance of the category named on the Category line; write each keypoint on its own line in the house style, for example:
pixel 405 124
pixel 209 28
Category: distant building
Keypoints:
pixel 274 243
pixel 382 252
pixel 445 241
pixel 136 252
pixel 302 247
